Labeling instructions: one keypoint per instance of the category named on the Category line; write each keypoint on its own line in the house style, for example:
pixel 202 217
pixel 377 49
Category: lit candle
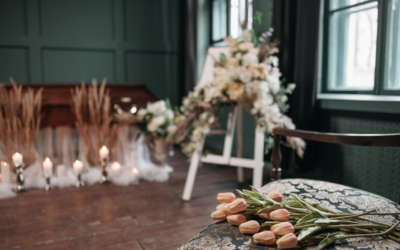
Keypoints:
pixel 47 168
pixel 78 166
pixel 135 176
pixel 5 173
pixel 103 152
pixel 17 158
pixel 135 172
pixel 115 166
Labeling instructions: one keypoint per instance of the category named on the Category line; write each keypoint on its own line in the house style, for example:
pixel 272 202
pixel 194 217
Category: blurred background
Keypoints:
pixel 342 54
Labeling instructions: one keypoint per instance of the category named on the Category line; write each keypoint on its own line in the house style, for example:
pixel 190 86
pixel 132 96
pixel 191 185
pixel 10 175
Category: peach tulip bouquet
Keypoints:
pixel 273 219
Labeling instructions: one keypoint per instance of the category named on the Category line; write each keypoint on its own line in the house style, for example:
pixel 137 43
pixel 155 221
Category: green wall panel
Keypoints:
pixel 14 64
pixel 69 41
pixel 75 66
pixel 374 169
pixel 13 18
pixel 156 71
pixel 152 24
pixel 77 19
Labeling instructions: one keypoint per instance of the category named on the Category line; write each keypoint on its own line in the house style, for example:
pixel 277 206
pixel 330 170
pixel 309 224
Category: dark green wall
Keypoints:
pixel 54 41
pixel 374 169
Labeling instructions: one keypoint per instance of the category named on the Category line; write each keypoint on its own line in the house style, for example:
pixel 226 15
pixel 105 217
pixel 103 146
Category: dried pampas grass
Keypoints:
pixel 19 121
pixel 92 108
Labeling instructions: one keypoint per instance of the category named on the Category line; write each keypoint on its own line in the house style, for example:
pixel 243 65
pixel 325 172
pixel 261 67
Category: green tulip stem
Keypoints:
pixel 374 234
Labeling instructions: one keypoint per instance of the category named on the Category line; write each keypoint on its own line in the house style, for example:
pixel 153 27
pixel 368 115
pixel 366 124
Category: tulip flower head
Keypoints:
pixel 220 206
pixel 250 227
pixel 236 219
pixel 282 228
pixel 219 215
pixel 265 215
pixel 280 215
pixel 275 195
pixel 264 238
pixel 287 241
pixel 236 206
pixel 225 197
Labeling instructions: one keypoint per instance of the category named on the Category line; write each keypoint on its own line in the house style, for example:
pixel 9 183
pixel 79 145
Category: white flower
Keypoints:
pixel 211 93
pixel 141 113
pixel 249 59
pixel 171 129
pixel 169 114
pixel 152 126
pixel 156 107
pixel 222 82
pixel 273 83
pixel 245 76
pixel 159 120
pixel 246 46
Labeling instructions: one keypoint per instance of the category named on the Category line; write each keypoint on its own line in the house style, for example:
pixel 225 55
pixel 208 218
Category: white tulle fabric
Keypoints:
pixel 60 145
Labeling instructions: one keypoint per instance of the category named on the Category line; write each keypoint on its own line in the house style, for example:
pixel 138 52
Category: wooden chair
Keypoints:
pixel 377 140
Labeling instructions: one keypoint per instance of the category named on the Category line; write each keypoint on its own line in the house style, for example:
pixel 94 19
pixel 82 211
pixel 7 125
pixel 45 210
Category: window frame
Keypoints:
pixel 382 50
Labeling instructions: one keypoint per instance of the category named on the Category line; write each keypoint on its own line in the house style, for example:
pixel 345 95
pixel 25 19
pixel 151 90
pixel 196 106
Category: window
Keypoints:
pixel 227 16
pixel 361 47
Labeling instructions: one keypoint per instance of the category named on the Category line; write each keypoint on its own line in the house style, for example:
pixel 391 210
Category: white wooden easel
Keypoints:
pixel 257 164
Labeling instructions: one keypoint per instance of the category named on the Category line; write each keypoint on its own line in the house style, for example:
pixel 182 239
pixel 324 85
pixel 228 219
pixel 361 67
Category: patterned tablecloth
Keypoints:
pixel 221 235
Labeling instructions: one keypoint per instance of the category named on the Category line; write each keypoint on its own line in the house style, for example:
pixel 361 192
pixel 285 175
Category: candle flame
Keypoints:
pixel 115 165
pixel 47 160
pixel 135 171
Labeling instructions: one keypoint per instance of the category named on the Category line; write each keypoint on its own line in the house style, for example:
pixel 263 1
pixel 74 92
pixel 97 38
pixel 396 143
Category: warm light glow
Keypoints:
pixel 104 152
pixel 47 167
pixel 17 158
pixel 135 171
pixel 115 166
pixel 133 109
pixel 78 166
pixel 3 163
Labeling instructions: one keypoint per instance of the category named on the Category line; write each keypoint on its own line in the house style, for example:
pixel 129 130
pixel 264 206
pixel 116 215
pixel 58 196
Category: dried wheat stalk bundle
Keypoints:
pixel 92 108
pixel 19 122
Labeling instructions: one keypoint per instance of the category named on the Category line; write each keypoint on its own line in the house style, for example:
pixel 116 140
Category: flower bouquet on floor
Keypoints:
pixel 289 221
pixel 157 124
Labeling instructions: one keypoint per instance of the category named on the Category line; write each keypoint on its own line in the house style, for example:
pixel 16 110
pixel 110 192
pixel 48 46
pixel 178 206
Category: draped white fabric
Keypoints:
pixel 61 145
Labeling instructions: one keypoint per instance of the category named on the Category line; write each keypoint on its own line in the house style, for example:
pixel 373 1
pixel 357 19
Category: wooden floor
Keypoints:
pixel 148 216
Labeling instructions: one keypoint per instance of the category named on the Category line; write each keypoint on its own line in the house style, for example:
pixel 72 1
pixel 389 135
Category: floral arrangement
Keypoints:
pixel 248 76
pixel 91 107
pixel 19 121
pixel 157 120
pixel 287 221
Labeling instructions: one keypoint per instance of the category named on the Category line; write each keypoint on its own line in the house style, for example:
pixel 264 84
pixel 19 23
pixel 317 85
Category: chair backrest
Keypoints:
pixel 378 140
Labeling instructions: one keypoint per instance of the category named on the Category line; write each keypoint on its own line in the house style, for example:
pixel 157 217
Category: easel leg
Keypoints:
pixel 239 142
pixel 259 158
pixel 194 165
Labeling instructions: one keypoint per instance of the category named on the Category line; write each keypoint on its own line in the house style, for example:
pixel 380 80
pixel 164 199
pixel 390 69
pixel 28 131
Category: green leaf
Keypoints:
pixel 241 194
pixel 308 217
pixel 329 240
pixel 326 222
pixel 307 206
pixel 222 58
pixel 267 209
pixel 257 17
pixel 307 232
